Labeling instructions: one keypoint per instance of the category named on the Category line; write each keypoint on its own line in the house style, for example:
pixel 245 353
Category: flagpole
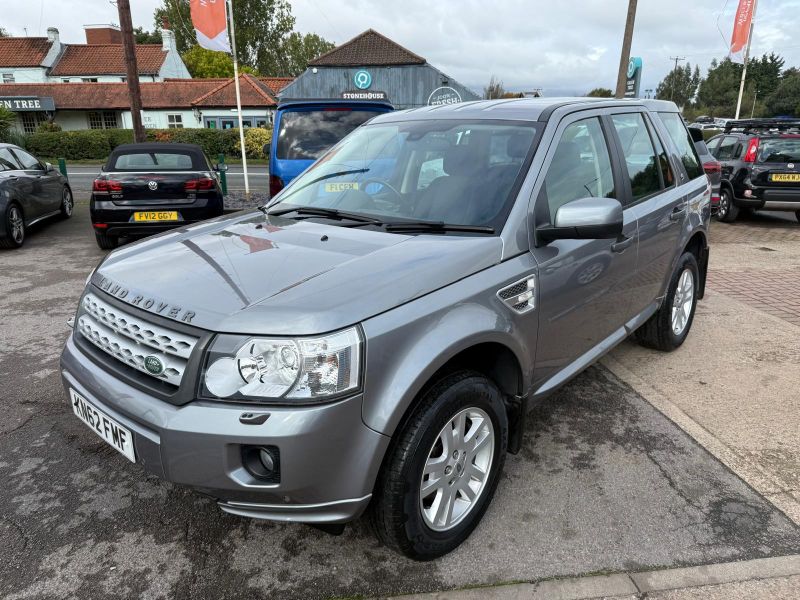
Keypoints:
pixel 746 59
pixel 229 4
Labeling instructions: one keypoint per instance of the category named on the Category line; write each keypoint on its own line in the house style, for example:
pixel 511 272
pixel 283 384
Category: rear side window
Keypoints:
pixel 779 150
pixel 152 161
pixel 640 156
pixel 727 148
pixel 712 145
pixel 581 166
pixel 683 142
pixel 306 135
pixel 27 161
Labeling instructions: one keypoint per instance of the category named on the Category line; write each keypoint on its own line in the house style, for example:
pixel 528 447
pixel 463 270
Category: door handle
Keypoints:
pixel 677 213
pixel 622 245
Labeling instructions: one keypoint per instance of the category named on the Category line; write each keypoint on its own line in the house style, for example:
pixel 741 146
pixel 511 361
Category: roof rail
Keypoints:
pixel 756 125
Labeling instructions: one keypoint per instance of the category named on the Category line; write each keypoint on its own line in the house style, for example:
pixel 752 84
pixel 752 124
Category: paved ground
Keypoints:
pixel 605 482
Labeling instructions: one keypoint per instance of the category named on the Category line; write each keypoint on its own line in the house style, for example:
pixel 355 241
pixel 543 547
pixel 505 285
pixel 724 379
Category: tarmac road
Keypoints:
pixel 604 483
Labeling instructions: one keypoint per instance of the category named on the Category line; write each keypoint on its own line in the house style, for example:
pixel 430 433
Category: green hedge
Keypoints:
pixel 96 144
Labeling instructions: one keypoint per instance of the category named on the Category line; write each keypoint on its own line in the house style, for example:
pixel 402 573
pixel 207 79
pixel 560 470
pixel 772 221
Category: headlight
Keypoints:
pixel 301 369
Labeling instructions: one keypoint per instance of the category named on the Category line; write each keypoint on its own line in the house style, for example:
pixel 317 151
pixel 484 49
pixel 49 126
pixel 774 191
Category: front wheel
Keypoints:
pixel 106 242
pixel 667 329
pixel 728 211
pixel 67 203
pixel 442 470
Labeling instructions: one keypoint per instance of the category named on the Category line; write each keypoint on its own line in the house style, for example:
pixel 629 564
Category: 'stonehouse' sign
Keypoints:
pixel 27 103
pixel 634 77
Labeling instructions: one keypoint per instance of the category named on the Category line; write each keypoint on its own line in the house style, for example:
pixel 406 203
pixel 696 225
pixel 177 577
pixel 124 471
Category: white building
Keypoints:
pixel 100 59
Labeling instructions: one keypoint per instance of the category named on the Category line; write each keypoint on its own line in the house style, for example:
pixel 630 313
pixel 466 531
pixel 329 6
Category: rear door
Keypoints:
pixel 727 153
pixel 654 195
pixel 584 285
pixel 45 192
pixel 777 168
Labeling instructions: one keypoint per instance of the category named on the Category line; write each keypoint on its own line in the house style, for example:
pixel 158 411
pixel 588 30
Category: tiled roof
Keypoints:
pixel 23 51
pixel 276 84
pixel 171 93
pixel 368 49
pixel 107 59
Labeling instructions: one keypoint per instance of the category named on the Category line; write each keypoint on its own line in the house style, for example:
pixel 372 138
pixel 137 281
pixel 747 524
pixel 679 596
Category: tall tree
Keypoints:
pixel 140 36
pixel 4 33
pixel 785 100
pixel 494 90
pixel 299 49
pixel 601 92
pixel 719 91
pixel 265 41
pixel 206 64
pixel 680 85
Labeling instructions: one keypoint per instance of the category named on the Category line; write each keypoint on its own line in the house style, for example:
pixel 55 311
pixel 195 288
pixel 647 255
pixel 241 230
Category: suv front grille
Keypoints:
pixel 135 342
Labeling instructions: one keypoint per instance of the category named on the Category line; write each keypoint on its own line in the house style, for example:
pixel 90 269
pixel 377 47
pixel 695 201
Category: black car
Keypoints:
pixel 148 188
pixel 30 191
pixel 760 161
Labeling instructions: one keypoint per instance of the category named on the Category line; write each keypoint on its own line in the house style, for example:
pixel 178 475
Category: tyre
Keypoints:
pixel 668 327
pixel 67 203
pixel 442 469
pixel 106 242
pixel 14 226
pixel 797 215
pixel 728 211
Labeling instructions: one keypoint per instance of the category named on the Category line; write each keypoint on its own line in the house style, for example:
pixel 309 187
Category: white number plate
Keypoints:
pixel 119 437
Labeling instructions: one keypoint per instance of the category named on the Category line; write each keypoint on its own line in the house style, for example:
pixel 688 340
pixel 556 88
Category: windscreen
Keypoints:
pixel 308 134
pixel 151 161
pixel 459 173
pixel 779 150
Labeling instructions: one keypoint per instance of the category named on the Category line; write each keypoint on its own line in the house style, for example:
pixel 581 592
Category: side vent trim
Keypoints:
pixel 520 296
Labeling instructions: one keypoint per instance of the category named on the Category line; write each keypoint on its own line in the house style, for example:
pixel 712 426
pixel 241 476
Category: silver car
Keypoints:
pixel 373 338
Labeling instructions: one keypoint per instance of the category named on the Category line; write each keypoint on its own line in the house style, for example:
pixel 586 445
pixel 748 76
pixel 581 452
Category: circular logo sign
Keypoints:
pixel 153 365
pixel 152 184
pixel 362 79
pixel 633 64
pixel 444 95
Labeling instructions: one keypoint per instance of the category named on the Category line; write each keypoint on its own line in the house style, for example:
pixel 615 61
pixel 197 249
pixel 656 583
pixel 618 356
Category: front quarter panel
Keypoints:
pixel 408 345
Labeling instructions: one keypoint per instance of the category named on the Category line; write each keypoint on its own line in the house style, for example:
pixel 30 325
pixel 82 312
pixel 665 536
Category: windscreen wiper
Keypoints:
pixel 435 227
pixel 331 213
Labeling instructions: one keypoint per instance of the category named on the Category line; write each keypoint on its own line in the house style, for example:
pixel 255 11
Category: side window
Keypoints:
pixel 667 176
pixel 713 144
pixel 640 156
pixel 7 160
pixel 581 166
pixel 683 142
pixel 27 161
pixel 727 148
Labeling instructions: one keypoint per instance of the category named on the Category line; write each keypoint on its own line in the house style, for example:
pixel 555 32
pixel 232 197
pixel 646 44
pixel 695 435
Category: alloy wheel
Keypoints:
pixel 17 225
pixel 457 469
pixel 67 203
pixel 683 302
pixel 724 203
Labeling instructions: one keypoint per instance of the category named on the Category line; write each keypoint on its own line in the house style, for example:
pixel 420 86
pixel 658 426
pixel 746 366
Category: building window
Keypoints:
pixel 102 120
pixel 175 121
pixel 31 120
pixel 65 80
pixel 8 78
pixel 89 79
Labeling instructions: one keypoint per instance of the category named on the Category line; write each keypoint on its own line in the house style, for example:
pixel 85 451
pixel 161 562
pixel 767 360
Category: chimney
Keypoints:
pixel 52 34
pixel 102 34
pixel 168 42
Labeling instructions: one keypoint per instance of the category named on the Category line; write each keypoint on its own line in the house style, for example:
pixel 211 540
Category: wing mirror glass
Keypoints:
pixel 221 168
pixel 585 219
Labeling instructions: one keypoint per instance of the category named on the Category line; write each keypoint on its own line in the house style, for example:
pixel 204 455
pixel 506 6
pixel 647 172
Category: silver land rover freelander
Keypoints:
pixel 372 339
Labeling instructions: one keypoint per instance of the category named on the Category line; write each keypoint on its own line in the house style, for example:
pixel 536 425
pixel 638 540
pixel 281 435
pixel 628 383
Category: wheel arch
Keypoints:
pixel 698 246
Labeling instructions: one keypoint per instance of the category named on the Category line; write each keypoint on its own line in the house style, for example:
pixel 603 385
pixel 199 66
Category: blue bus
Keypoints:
pixel 305 129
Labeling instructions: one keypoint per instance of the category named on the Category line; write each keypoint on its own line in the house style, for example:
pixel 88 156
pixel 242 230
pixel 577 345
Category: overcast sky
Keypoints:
pixel 564 47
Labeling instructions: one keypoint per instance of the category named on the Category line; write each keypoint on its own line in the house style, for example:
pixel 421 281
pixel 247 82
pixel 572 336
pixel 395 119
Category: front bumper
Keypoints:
pixel 778 199
pixel 329 459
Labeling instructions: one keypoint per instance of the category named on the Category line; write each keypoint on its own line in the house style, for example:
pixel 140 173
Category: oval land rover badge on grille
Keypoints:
pixel 153 365
pixel 152 184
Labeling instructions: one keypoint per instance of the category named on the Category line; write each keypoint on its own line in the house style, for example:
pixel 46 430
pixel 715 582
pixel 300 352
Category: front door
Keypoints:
pixel 584 285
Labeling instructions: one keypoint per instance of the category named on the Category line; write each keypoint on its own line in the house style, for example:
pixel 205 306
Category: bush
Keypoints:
pixel 7 120
pixel 254 140
pixel 97 144
pixel 47 127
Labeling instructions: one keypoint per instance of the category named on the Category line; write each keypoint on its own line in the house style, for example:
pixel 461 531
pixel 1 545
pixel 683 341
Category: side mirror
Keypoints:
pixel 48 167
pixel 586 219
pixel 221 168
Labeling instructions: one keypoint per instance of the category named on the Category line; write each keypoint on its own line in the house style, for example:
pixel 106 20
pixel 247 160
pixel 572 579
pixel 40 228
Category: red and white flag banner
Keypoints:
pixel 210 24
pixel 741 30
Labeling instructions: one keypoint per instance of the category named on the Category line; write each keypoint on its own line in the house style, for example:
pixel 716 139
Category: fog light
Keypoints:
pixel 748 193
pixel 262 462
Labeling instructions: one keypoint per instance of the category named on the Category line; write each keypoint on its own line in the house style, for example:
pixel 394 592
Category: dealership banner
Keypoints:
pixel 741 29
pixel 211 24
